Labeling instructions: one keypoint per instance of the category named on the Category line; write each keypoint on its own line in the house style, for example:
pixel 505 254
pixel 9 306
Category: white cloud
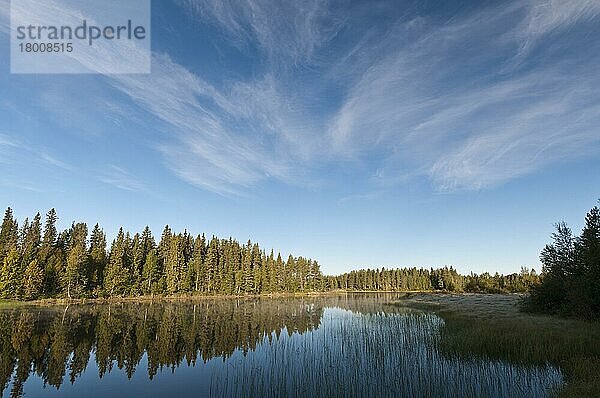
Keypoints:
pixel 411 97
pixel 28 153
pixel 204 149
pixel 545 16
pixel 444 106
pixel 121 178
pixel 288 32
pixel 54 161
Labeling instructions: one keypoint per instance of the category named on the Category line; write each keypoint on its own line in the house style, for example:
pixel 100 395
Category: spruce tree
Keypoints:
pixel 174 264
pixel 74 278
pixel 8 233
pixel 47 256
pixel 151 274
pixel 197 265
pixel 33 281
pixel 211 264
pixel 11 275
pixel 116 277
pixel 588 265
pixel 32 240
pixel 97 258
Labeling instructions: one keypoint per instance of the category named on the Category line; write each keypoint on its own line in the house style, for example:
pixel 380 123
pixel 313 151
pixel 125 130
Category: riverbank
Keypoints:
pixel 492 326
pixel 164 298
pixel 188 297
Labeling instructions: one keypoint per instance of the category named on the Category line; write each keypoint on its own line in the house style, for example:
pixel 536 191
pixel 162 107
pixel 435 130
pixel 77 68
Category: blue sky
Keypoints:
pixel 361 134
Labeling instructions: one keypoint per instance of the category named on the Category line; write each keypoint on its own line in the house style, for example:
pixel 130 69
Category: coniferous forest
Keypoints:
pixel 571 265
pixel 39 261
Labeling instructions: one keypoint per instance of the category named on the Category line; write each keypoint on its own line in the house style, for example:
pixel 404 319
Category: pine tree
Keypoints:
pixel 31 241
pixel 247 274
pixel 47 256
pixel 174 264
pixel 197 264
pixel 211 264
pixel 281 274
pixel 75 275
pixel 11 275
pixel 116 278
pixel 186 271
pixel 586 295
pixel 97 258
pixel 138 261
pixel 147 244
pixel 33 281
pixel 8 234
pixel 151 274
pixel 257 271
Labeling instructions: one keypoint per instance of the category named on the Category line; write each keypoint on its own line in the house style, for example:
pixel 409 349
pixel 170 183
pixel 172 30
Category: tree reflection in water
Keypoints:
pixel 268 347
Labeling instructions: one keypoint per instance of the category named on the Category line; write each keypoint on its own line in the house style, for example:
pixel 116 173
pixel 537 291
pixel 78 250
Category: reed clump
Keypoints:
pixel 493 327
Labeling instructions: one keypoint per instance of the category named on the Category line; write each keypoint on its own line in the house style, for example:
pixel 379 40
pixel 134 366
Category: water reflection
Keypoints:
pixel 334 346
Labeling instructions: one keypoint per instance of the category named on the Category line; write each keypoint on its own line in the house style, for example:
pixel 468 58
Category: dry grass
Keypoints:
pixel 492 326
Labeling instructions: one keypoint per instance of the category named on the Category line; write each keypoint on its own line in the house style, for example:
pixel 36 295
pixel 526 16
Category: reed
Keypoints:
pixel 492 327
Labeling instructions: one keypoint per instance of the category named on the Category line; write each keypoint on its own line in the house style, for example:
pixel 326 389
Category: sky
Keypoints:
pixel 360 134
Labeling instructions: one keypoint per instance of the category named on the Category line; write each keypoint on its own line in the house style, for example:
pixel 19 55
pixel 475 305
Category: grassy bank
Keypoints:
pixel 186 297
pixel 492 326
pixel 160 298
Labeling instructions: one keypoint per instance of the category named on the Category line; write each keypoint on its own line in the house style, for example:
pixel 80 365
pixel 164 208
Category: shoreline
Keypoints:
pixel 202 297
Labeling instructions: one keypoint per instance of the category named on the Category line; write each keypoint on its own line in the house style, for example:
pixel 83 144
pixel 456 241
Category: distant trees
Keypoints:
pixel 442 279
pixel 38 262
pixel 571 271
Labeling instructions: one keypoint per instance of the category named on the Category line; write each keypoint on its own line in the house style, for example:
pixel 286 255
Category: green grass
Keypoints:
pixel 491 326
pixel 9 304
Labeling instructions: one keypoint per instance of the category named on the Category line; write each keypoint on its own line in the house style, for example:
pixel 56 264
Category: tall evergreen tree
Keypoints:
pixel 174 264
pixel 11 275
pixel 32 240
pixel 33 281
pixel 197 265
pixel 587 268
pixel 97 258
pixel 75 275
pixel 47 256
pixel 116 277
pixel 152 275
pixel 211 264
pixel 8 233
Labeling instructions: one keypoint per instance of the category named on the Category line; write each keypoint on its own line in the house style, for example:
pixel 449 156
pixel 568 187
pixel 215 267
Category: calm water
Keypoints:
pixel 334 346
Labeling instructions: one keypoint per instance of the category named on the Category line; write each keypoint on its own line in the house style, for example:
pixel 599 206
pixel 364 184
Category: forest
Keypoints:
pixel 571 268
pixel 39 261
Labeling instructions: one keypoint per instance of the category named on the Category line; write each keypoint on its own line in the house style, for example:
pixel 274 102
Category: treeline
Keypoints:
pixel 571 271
pixel 40 262
pixel 443 279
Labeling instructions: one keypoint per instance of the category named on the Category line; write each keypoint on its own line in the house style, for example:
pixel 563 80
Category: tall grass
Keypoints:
pixel 492 328
pixel 375 355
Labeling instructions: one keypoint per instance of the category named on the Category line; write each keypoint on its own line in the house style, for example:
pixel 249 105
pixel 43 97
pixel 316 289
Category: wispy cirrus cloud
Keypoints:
pixel 287 32
pixel 205 146
pixel 121 178
pixel 29 152
pixel 444 107
pixel 51 160
pixel 5 143
pixel 468 101
pixel 546 16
